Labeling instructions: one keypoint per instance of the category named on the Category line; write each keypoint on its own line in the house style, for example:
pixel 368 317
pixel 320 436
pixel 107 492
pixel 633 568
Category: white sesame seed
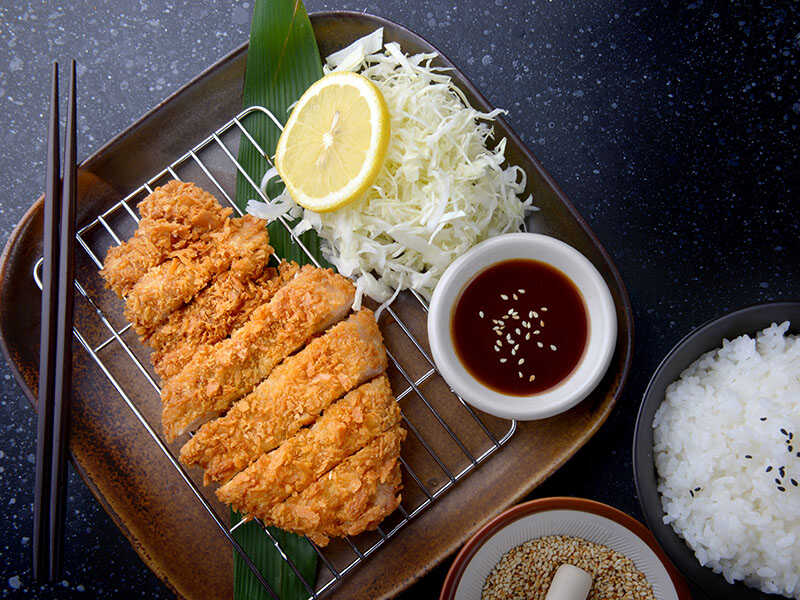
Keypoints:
pixel 499 343
pixel 541 323
pixel 517 331
pixel 553 347
pixel 532 377
pixel 503 297
pixel 530 314
pixel 480 314
pixel 527 336
pixel 515 297
pixel 535 314
pixel 520 374
pixel 502 360
pixel 537 332
pixel 513 352
pixel 516 347
pixel 520 361
pixel 544 309
pixel 521 291
pixel 540 344
pixel 497 348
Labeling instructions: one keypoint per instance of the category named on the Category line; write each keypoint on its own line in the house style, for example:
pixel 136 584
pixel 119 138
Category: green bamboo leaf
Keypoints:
pixel 282 62
pixel 277 572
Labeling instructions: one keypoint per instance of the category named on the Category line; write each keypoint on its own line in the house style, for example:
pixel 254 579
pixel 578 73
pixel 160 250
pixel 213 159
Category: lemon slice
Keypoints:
pixel 335 142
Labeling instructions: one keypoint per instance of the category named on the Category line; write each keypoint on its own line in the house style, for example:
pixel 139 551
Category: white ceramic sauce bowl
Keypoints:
pixel 601 336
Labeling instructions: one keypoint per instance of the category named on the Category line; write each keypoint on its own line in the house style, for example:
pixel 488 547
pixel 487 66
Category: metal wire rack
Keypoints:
pixel 411 364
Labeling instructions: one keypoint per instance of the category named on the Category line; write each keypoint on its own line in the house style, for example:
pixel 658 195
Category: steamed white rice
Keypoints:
pixel 731 404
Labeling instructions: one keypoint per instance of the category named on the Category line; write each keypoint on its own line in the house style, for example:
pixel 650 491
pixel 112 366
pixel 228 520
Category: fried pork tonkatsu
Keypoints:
pixel 352 497
pixel 222 307
pixel 296 414
pixel 173 216
pixel 346 426
pixel 220 374
pixel 292 396
pixel 170 285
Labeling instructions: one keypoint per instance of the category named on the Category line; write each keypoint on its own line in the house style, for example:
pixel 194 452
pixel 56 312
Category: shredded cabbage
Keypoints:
pixel 440 191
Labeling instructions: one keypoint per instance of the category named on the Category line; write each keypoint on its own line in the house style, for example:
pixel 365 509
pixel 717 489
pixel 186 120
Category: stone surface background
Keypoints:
pixel 673 127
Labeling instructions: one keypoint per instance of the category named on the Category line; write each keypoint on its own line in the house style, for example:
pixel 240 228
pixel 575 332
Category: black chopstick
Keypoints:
pixel 63 368
pixel 47 352
pixel 55 355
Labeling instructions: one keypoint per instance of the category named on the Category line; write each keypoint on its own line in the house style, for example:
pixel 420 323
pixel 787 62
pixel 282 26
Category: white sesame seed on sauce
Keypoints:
pixel 480 314
pixel 497 348
pixel 527 336
pixel 541 323
pixel 517 331
pixel 498 342
pixel 520 374
pixel 532 377
pixel 540 344
pixel 553 347
pixel 513 352
pixel 503 297
pixel 502 360
pixel 537 332
pixel 543 309
pixel 515 297
pixel 535 314
pixel 521 361
pixel 530 314
pixel 521 291
pixel 516 347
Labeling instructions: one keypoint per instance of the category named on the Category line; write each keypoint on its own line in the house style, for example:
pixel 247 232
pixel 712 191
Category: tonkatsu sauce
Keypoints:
pixel 520 327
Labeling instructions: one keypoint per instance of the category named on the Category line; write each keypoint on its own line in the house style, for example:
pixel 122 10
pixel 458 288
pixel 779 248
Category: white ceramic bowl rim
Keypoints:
pixel 599 307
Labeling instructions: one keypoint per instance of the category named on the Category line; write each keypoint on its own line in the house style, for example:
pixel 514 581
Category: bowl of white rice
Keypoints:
pixel 717 454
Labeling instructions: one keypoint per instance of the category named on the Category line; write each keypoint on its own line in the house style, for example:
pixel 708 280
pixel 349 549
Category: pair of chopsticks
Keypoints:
pixel 55 358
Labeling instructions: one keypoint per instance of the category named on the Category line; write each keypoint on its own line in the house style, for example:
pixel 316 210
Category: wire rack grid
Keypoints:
pixel 472 451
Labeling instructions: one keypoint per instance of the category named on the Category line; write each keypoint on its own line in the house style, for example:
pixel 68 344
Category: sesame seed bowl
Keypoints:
pixel 516 553
pixel 506 343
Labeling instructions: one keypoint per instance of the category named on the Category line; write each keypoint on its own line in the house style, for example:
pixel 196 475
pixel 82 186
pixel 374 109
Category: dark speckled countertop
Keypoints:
pixel 672 127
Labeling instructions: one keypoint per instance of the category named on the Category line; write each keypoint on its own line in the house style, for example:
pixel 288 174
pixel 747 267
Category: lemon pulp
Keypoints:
pixel 335 142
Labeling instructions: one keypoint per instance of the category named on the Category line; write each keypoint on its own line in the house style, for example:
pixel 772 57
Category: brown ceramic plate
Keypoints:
pixel 125 470
pixel 594 527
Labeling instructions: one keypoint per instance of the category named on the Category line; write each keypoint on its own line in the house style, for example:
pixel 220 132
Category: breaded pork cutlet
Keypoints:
pixel 294 394
pixel 222 373
pixel 351 498
pixel 342 430
pixel 167 287
pixel 218 310
pixel 173 216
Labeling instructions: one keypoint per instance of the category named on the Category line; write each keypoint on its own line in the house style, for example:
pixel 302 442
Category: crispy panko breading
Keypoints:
pixel 294 394
pixel 218 310
pixel 167 287
pixel 351 498
pixel 221 373
pixel 342 430
pixel 173 216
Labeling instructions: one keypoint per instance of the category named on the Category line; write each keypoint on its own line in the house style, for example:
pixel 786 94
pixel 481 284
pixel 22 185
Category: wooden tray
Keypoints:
pixel 125 470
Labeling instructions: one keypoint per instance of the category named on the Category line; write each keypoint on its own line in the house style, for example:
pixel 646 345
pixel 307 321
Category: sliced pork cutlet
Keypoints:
pixel 167 287
pixel 173 216
pixel 342 430
pixel 294 394
pixel 222 373
pixel 218 310
pixel 351 498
